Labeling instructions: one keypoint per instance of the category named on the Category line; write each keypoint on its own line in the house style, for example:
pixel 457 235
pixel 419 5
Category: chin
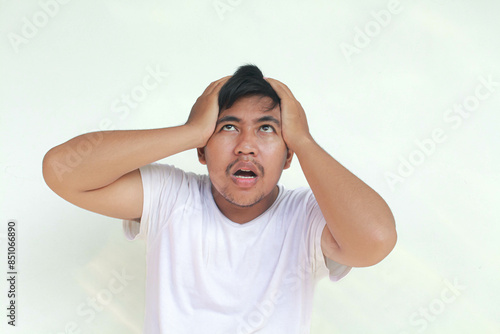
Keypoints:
pixel 243 201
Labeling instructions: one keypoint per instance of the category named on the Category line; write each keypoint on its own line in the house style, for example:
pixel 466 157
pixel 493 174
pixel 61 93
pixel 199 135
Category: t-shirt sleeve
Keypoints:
pixel 322 266
pixel 161 185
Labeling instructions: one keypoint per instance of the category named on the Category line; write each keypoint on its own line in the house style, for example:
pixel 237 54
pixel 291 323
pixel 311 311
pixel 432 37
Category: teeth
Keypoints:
pixel 245 177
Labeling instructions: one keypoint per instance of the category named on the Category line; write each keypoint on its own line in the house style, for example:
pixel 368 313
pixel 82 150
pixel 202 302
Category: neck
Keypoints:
pixel 244 214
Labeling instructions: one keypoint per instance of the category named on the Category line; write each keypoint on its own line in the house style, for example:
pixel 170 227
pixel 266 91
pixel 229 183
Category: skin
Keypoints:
pixel 246 132
pixel 360 229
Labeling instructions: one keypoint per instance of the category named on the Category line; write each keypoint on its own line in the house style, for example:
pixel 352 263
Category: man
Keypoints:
pixel 232 251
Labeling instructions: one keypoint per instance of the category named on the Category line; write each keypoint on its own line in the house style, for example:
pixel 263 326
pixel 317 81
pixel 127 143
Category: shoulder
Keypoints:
pixel 170 171
pixel 294 201
pixel 300 205
pixel 295 196
pixel 159 175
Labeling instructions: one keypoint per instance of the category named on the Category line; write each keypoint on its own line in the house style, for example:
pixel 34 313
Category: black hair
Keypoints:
pixel 248 80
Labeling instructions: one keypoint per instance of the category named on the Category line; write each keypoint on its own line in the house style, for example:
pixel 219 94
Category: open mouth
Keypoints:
pixel 244 174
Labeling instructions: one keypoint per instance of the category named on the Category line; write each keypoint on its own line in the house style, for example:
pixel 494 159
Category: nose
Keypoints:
pixel 246 144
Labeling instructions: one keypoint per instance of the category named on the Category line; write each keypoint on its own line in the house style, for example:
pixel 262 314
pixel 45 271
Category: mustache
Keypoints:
pixel 258 165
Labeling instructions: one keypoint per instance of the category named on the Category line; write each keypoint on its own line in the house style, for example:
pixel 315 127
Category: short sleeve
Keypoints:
pixel 161 185
pixel 322 266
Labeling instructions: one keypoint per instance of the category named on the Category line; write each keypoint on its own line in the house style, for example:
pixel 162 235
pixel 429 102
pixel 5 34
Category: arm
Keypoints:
pixel 100 171
pixel 360 227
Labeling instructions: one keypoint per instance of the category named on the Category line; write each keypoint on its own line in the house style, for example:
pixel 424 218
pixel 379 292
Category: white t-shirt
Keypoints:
pixel 207 274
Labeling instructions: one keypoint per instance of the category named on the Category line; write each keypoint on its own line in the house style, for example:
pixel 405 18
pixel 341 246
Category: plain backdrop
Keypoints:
pixel 405 94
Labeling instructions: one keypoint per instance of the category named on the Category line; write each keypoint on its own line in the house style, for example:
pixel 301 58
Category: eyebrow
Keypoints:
pixel 238 120
pixel 268 119
pixel 228 119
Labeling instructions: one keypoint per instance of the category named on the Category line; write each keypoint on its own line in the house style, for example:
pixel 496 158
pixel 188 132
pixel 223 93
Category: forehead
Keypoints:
pixel 251 106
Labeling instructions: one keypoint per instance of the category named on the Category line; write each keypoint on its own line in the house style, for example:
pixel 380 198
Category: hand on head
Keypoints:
pixel 294 127
pixel 205 111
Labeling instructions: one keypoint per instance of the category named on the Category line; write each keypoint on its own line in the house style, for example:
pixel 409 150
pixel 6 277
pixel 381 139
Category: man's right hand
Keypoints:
pixel 102 175
pixel 205 111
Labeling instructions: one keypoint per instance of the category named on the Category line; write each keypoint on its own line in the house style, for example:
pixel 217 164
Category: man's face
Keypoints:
pixel 246 154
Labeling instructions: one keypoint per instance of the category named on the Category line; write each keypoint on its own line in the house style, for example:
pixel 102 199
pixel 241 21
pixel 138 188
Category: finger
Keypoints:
pixel 220 83
pixel 281 89
pixel 216 85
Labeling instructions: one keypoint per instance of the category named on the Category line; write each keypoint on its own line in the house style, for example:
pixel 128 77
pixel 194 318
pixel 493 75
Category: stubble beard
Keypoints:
pixel 242 204
pixel 227 195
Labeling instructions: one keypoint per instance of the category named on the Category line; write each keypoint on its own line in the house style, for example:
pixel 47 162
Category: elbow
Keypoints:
pixel 383 242
pixel 52 169
pixel 375 247
pixel 387 244
pixel 46 162
pixel 371 243
pixel 385 237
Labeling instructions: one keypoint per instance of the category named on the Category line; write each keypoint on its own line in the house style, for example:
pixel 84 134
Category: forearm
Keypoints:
pixel 358 218
pixel 94 160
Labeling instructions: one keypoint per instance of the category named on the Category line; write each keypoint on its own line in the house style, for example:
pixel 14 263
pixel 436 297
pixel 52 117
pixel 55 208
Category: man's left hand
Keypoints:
pixel 294 126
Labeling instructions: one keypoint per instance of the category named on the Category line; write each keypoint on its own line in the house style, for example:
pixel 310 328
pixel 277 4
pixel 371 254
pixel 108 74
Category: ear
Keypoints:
pixel 289 156
pixel 201 155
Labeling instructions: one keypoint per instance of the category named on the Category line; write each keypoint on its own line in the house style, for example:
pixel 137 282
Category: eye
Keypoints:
pixel 267 128
pixel 228 127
